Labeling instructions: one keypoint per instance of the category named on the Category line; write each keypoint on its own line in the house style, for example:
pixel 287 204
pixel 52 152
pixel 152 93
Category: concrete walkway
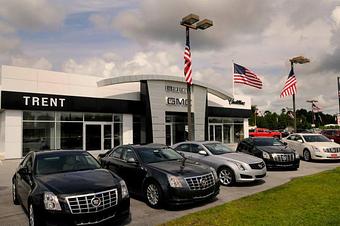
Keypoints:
pixel 144 215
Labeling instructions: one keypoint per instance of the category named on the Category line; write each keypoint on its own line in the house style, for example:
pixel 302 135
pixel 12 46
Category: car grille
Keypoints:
pixel 260 165
pixel 94 202
pixel 200 182
pixel 332 150
pixel 283 157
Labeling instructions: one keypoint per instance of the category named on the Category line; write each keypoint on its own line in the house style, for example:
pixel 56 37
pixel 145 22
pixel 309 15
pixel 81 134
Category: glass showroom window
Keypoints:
pixel 38 136
pixel 226 130
pixel 69 130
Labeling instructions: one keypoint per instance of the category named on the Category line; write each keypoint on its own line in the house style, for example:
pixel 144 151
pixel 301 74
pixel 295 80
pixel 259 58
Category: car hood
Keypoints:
pixel 275 149
pixel 174 168
pixel 324 144
pixel 240 157
pixel 79 182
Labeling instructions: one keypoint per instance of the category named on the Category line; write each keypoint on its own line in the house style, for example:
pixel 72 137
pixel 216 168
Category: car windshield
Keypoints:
pixel 267 142
pixel 51 163
pixel 217 148
pixel 158 155
pixel 316 138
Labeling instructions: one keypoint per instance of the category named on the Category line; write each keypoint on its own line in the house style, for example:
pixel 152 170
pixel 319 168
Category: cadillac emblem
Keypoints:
pixel 284 158
pixel 203 182
pixel 95 202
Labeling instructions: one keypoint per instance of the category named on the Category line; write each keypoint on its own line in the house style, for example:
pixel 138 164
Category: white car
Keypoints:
pixel 313 146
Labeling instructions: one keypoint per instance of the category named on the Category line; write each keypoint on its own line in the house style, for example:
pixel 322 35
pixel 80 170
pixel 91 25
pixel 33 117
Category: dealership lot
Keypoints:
pixel 144 215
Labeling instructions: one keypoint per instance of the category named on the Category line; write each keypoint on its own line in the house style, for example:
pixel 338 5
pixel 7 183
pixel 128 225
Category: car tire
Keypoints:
pixel 226 176
pixel 153 194
pixel 306 155
pixel 33 219
pixel 14 193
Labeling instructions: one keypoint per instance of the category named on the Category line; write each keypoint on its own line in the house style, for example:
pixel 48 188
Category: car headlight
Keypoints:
pixel 297 155
pixel 316 149
pixel 240 166
pixel 214 173
pixel 265 155
pixel 175 182
pixel 123 187
pixel 51 201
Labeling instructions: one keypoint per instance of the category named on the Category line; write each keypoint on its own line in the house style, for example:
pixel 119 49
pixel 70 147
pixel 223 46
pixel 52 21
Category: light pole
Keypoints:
pixel 191 21
pixel 312 102
pixel 297 60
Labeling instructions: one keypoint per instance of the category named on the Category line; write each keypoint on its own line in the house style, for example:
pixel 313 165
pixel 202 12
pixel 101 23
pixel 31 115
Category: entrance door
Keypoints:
pixel 216 132
pixel 168 134
pixel 93 137
pixel 98 136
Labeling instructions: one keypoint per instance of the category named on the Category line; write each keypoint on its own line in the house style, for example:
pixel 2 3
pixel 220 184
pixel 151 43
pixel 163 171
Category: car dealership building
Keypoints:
pixel 53 110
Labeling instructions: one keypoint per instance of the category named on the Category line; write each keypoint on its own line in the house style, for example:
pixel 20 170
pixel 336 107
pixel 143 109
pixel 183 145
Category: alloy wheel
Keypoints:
pixel 31 215
pixel 152 194
pixel 306 155
pixel 226 176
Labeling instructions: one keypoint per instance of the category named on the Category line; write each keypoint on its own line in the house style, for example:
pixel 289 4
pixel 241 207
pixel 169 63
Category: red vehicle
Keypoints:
pixel 333 134
pixel 262 132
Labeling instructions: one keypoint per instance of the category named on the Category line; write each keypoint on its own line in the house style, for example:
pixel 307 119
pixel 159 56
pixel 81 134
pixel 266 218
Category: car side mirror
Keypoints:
pixel 202 152
pixel 23 171
pixel 301 141
pixel 132 161
pixel 285 143
pixel 332 140
pixel 102 155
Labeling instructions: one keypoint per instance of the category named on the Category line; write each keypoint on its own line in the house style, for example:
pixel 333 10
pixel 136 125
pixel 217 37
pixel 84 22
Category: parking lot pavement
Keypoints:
pixel 144 215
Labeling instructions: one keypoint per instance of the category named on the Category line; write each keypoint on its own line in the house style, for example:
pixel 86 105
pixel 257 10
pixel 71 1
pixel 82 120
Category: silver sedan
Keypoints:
pixel 230 166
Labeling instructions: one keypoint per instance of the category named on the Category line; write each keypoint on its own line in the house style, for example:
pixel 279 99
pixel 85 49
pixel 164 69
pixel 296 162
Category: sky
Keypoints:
pixel 108 38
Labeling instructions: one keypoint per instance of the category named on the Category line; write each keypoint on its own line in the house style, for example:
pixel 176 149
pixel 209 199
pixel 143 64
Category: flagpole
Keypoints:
pixel 294 112
pixel 232 75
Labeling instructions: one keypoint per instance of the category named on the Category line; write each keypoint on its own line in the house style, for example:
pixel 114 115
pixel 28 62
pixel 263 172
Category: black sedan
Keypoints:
pixel 69 188
pixel 275 153
pixel 161 175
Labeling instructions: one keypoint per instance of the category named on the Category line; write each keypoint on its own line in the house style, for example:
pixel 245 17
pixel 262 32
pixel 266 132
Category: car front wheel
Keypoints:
pixel 226 176
pixel 306 155
pixel 153 195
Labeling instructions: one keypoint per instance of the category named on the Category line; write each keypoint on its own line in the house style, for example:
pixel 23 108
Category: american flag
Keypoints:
pixel 187 64
pixel 290 85
pixel 315 108
pixel 245 76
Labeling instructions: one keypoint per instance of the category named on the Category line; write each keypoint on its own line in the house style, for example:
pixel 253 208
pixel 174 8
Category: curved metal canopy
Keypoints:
pixel 137 78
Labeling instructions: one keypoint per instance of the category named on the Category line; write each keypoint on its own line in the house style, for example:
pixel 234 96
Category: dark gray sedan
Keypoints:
pixel 231 166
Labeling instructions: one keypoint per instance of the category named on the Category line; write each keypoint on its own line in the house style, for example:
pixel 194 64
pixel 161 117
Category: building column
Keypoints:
pixel 11 134
pixel 246 128
pixel 127 129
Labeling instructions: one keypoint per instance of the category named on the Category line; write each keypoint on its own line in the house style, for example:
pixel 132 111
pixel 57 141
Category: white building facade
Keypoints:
pixel 43 110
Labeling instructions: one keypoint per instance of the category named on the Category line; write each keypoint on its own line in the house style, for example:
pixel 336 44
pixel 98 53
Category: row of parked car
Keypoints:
pixel 74 188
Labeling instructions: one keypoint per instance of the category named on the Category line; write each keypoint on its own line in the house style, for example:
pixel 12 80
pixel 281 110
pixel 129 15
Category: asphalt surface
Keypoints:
pixel 141 214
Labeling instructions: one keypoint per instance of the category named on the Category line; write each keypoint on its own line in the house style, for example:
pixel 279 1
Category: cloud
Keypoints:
pixel 32 14
pixel 336 15
pixel 158 21
pixel 111 64
pixel 29 61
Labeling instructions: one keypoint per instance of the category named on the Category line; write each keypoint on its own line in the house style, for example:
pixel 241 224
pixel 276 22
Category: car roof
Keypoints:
pixel 303 134
pixel 199 142
pixel 146 146
pixel 47 152
pixel 258 138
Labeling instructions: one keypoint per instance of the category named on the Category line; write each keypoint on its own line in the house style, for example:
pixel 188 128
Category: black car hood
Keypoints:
pixel 275 149
pixel 174 168
pixel 79 182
